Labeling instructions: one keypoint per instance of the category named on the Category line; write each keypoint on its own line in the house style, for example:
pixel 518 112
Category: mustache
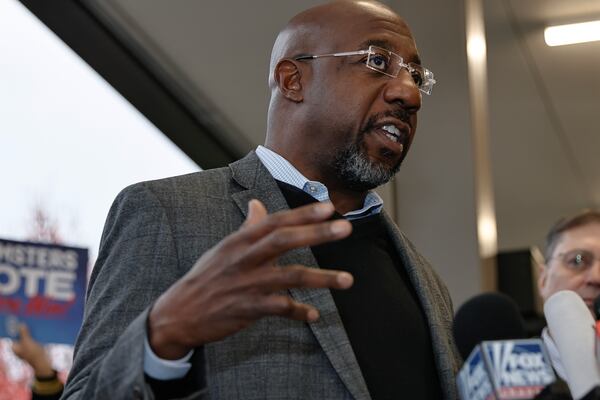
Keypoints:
pixel 399 113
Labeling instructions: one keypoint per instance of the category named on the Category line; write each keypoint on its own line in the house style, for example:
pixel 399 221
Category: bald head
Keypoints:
pixel 323 28
pixel 333 107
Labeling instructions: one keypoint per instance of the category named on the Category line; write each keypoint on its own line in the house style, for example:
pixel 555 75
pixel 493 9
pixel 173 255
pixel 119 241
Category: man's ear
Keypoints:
pixel 289 80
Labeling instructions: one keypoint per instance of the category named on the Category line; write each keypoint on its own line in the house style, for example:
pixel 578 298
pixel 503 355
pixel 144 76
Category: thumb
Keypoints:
pixel 24 334
pixel 256 212
pixel 17 348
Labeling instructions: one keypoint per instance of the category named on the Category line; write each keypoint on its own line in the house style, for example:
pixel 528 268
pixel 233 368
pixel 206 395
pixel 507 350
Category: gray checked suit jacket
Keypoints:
pixel 154 233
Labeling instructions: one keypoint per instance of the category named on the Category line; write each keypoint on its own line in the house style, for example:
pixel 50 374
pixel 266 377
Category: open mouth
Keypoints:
pixel 392 133
pixel 394 137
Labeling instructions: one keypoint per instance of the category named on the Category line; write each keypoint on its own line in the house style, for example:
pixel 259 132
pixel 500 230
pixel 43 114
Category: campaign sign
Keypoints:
pixel 42 286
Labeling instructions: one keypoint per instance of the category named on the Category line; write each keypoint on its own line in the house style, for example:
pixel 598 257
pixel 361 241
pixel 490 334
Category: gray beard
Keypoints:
pixel 357 172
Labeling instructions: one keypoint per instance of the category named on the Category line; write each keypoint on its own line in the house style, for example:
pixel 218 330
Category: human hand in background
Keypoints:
pixel 33 353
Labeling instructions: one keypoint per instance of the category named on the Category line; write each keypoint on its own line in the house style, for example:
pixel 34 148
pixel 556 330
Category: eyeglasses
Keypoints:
pixel 577 260
pixel 387 63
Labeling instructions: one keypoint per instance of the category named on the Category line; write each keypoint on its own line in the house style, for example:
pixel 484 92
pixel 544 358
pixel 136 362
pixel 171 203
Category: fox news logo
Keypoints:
pixel 519 364
pixel 516 369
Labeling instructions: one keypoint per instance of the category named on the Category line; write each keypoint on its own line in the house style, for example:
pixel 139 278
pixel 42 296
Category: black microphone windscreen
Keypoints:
pixel 597 307
pixel 558 390
pixel 593 394
pixel 488 316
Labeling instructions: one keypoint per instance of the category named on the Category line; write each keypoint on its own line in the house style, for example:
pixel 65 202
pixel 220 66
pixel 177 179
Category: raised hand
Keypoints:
pixel 238 281
pixel 33 353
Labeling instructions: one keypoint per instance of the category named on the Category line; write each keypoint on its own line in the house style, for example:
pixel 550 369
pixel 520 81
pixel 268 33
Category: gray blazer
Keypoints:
pixel 154 233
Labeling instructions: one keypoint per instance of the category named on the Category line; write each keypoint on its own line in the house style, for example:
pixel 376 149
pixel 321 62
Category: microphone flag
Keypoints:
pixel 505 370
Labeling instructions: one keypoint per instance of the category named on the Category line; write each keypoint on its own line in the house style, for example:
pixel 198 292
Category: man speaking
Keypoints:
pixel 280 276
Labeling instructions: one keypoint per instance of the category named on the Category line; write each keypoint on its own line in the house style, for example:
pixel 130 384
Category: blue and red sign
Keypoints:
pixel 42 286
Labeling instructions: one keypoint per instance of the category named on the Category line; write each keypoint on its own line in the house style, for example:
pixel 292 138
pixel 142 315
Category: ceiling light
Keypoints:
pixel 572 33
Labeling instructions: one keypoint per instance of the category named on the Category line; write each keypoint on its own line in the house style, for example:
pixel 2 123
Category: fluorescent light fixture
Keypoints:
pixel 572 33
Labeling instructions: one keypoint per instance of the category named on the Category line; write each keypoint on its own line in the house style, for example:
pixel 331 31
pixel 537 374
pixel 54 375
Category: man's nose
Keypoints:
pixel 404 90
pixel 593 275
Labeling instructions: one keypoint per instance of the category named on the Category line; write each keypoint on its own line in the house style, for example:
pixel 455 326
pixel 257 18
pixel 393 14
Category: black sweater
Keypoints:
pixel 381 312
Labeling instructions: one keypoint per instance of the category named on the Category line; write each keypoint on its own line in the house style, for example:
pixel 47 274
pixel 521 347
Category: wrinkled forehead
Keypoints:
pixel 389 32
pixel 338 29
pixel 358 20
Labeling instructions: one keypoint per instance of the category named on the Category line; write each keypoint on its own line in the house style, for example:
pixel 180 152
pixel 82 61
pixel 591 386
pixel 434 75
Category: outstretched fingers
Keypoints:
pixel 272 279
pixel 287 238
pixel 258 223
pixel 282 306
pixel 264 237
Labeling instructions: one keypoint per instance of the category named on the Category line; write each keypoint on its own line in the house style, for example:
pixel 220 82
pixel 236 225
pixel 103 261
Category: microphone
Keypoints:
pixel 506 369
pixel 596 309
pixel 501 364
pixel 573 331
pixel 488 316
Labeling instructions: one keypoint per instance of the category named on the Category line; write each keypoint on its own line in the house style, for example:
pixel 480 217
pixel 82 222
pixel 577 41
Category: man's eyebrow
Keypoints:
pixel 384 44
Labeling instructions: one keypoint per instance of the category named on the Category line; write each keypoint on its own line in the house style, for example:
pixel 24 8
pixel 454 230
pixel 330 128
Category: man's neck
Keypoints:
pixel 344 200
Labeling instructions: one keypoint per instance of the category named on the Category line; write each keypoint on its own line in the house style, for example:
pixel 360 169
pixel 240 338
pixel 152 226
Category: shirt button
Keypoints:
pixel 312 188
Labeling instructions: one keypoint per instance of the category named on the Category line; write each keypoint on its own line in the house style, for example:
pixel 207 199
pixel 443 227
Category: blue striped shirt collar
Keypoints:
pixel 282 170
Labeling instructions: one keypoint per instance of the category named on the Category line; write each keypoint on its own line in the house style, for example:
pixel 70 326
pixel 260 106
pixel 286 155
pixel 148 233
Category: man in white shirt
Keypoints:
pixel 572 262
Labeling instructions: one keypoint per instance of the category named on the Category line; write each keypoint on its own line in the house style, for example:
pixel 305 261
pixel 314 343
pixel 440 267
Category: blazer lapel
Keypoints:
pixel 438 311
pixel 329 331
